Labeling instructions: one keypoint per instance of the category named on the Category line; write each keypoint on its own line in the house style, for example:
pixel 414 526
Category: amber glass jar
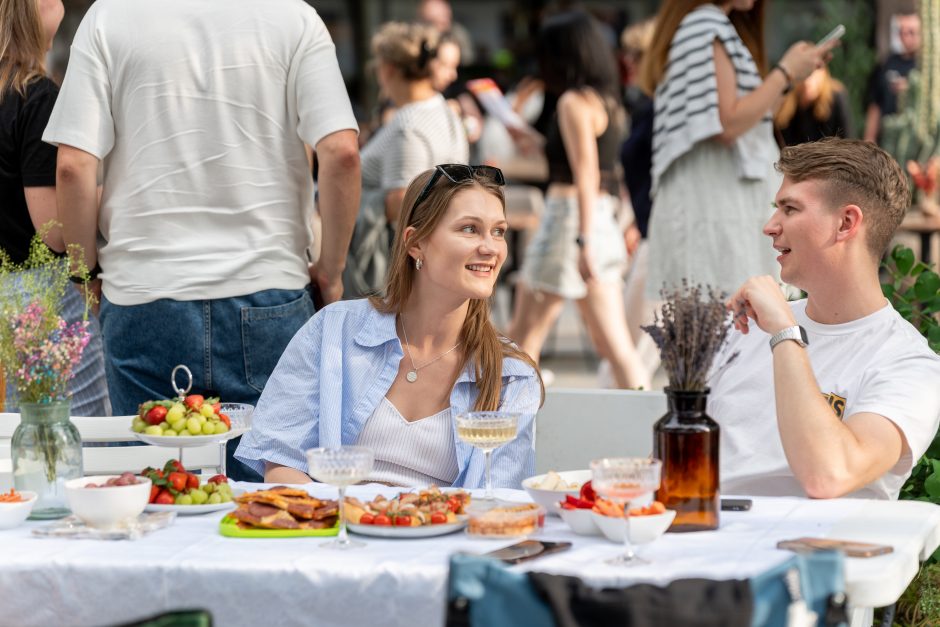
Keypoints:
pixel 686 440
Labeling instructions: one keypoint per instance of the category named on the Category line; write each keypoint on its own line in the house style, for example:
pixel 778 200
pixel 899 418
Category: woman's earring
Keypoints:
pixel 418 264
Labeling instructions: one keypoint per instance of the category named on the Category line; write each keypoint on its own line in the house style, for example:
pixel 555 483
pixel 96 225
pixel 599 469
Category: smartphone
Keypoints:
pixel 736 505
pixel 850 548
pixel 835 33
pixel 527 550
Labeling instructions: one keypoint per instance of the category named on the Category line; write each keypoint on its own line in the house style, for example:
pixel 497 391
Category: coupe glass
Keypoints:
pixel 621 480
pixel 341 467
pixel 487 431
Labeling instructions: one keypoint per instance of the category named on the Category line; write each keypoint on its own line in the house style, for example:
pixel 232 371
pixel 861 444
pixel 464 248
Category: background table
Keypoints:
pixel 402 582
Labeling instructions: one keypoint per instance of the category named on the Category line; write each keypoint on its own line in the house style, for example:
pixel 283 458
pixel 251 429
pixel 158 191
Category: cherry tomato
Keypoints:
pixel 453 504
pixel 402 521
pixel 587 492
pixel 438 518
pixel 382 521
pixel 367 519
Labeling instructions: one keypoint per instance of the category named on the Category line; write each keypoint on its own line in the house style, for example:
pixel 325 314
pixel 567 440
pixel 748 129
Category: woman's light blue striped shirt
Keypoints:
pixel 335 372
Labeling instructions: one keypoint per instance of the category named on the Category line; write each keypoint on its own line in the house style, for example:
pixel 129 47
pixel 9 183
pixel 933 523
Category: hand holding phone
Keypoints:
pixel 835 33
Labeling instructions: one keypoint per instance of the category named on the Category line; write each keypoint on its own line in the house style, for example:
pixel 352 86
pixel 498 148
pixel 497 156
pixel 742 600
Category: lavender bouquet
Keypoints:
pixel 689 330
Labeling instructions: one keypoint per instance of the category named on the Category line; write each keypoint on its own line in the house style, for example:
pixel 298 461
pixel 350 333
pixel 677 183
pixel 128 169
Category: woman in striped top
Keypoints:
pixel 391 372
pixel 713 146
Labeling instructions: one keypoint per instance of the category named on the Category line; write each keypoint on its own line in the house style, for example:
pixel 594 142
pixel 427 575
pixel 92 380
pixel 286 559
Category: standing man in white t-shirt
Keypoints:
pixel 836 394
pixel 199 112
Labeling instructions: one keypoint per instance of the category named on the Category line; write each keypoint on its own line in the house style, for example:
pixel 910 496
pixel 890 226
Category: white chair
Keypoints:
pixel 112 459
pixel 575 426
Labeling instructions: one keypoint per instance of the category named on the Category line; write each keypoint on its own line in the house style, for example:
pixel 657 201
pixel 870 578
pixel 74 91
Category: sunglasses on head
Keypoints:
pixel 457 173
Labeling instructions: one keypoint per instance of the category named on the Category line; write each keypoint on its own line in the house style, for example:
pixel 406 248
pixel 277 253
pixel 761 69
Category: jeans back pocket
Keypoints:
pixel 266 332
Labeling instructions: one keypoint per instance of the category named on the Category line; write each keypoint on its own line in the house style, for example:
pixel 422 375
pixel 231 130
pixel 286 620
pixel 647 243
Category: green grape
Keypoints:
pixel 153 430
pixel 224 488
pixel 215 498
pixel 194 426
pixel 207 411
pixel 177 412
pixel 208 488
pixel 185 433
pixel 184 499
pixel 170 432
pixel 221 428
pixel 178 425
pixel 199 496
pixel 208 429
pixel 164 425
pixel 225 496
pixel 139 425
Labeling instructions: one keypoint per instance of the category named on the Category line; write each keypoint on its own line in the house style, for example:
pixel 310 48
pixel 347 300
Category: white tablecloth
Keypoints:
pixel 402 582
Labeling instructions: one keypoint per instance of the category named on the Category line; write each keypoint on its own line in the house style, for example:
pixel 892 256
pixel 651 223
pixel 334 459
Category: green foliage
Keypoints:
pixel 854 60
pixel 914 291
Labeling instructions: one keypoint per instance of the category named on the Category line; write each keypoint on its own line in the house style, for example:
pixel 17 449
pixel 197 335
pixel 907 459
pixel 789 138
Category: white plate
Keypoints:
pixel 180 441
pixel 193 510
pixel 424 531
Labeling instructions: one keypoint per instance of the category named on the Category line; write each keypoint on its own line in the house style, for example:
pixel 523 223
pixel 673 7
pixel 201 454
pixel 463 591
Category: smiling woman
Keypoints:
pixel 391 372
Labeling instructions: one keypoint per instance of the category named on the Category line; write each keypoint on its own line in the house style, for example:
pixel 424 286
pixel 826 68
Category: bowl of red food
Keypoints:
pixel 108 500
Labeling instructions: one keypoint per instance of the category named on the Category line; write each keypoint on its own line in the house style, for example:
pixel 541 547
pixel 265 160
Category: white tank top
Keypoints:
pixel 412 454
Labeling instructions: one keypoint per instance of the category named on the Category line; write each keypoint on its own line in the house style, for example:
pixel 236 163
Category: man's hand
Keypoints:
pixel 760 299
pixel 330 285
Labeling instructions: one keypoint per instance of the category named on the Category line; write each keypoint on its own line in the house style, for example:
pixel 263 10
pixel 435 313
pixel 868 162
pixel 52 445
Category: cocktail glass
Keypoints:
pixel 341 467
pixel 621 480
pixel 487 431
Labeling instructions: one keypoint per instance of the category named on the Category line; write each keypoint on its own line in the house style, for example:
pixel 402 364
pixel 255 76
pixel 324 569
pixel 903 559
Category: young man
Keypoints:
pixel 889 79
pixel 855 388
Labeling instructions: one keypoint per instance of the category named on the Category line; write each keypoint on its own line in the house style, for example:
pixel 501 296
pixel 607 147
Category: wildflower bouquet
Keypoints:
pixel 689 330
pixel 39 350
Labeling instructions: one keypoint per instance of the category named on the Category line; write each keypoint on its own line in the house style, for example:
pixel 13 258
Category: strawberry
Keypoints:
pixel 154 491
pixel 156 415
pixel 192 481
pixel 225 419
pixel 194 401
pixel 177 481
pixel 216 407
pixel 164 498
pixel 217 479
pixel 173 466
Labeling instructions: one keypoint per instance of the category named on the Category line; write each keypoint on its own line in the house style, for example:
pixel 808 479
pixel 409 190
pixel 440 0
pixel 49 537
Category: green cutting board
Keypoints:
pixel 229 527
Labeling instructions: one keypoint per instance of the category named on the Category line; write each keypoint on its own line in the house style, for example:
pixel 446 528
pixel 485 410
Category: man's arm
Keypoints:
pixel 77 200
pixel 340 185
pixel 828 456
pixel 275 473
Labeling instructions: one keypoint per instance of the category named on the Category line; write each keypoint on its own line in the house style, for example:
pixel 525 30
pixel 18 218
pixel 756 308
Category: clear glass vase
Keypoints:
pixel 46 451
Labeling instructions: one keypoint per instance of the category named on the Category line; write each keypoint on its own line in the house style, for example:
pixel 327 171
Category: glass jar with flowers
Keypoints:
pixel 689 330
pixel 39 351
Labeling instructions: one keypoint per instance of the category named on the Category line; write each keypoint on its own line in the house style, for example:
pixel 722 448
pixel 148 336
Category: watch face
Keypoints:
pixel 803 336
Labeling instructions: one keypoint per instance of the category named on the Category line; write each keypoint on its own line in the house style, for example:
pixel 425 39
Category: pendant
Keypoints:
pixel 412 376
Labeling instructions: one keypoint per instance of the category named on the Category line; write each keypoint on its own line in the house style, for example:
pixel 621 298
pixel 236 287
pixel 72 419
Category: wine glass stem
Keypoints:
pixel 628 553
pixel 488 494
pixel 342 539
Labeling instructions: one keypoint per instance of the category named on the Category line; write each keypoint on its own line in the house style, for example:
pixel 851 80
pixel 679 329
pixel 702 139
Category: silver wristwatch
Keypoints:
pixel 797 334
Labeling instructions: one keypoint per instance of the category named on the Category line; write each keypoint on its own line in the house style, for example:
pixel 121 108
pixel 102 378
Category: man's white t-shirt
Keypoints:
pixel 200 111
pixel 878 364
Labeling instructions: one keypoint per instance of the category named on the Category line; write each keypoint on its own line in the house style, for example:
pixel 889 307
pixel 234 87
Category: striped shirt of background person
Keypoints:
pixel 686 99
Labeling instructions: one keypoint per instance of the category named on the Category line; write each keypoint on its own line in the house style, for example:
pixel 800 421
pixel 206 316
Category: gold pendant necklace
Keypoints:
pixel 412 374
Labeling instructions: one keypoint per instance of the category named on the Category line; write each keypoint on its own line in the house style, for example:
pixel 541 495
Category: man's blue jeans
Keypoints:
pixel 231 345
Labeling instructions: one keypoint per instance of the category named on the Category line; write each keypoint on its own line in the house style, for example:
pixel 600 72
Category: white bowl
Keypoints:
pixel 581 521
pixel 549 498
pixel 13 514
pixel 106 507
pixel 643 529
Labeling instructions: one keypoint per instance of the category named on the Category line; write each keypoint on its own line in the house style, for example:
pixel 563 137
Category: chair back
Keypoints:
pixel 107 460
pixel 575 426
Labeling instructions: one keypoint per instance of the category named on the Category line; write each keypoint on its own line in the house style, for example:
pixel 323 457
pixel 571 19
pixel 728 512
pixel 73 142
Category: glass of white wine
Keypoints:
pixel 621 480
pixel 487 431
pixel 341 467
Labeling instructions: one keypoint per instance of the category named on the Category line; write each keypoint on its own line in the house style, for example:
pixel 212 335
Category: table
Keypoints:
pixel 401 582
pixel 924 225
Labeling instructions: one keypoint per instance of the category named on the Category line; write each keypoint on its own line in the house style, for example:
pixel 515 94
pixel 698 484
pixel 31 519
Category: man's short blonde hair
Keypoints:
pixel 854 172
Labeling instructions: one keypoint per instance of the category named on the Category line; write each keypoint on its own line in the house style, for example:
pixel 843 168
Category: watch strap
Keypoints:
pixel 795 333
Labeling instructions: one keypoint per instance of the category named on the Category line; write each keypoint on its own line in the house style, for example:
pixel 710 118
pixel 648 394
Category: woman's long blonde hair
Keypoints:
pixel 22 45
pixel 748 24
pixel 822 106
pixel 482 345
